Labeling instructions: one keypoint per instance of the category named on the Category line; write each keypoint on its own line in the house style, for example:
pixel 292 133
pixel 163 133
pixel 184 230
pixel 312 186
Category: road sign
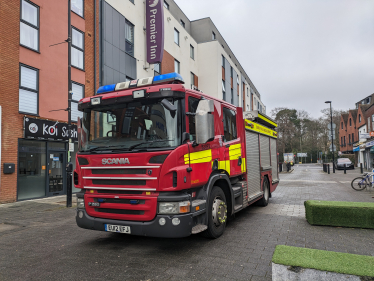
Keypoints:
pixel 331 148
pixel 333 126
pixel 364 136
pixel 333 136
pixel 302 155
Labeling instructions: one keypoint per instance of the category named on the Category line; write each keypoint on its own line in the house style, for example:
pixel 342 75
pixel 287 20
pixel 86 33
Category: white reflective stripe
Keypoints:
pixel 114 188
pixel 118 178
pixel 121 167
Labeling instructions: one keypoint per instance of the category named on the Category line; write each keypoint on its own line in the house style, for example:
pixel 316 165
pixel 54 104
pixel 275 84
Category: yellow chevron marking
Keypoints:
pixel 235 151
pixel 198 157
pixel 224 165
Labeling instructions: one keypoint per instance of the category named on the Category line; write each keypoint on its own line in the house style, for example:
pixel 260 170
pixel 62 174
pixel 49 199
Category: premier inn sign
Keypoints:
pixel 155 30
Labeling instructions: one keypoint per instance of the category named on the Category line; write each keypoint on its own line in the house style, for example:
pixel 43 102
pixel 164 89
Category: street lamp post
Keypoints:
pixel 332 138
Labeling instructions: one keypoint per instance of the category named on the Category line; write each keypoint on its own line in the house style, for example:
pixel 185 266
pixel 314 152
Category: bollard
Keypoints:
pixel 324 169
pixel 280 167
pixel 328 169
pixel 362 170
pixel 69 191
pixel 345 169
pixel 333 167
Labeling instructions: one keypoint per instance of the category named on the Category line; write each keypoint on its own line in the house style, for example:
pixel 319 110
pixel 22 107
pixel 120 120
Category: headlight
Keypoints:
pixel 80 203
pixel 174 207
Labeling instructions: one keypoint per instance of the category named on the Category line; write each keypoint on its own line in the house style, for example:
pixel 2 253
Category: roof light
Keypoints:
pixel 167 78
pixel 106 88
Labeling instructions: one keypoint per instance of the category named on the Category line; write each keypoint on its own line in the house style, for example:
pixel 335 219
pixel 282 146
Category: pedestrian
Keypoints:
pixel 288 166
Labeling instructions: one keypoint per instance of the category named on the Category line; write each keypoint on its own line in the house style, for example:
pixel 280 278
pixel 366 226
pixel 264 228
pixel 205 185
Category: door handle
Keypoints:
pixel 227 145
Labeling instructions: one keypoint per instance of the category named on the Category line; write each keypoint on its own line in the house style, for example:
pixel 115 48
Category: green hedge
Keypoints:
pixel 336 213
pixel 324 260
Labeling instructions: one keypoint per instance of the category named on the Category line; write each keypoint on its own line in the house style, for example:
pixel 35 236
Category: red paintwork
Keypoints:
pixel 199 175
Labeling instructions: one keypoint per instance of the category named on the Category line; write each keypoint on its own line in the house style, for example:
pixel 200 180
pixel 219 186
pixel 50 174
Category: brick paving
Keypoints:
pixel 40 241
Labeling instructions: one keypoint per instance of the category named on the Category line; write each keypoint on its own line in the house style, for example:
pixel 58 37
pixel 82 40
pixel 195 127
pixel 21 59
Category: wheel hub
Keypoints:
pixel 219 212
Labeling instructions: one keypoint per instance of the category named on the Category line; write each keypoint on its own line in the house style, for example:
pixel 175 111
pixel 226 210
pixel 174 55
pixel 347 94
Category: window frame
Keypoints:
pixel 28 89
pixel 182 23
pixel 192 76
pixel 213 36
pixel 223 62
pixel 127 22
pixel 166 5
pixel 31 25
pixel 78 48
pixel 77 101
pixel 179 66
pixel 176 31
pixel 82 16
pixel 192 51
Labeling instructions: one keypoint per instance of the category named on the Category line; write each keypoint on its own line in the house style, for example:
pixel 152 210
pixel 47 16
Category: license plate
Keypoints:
pixel 118 228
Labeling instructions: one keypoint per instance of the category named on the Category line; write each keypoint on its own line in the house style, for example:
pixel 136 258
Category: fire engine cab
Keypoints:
pixel 157 159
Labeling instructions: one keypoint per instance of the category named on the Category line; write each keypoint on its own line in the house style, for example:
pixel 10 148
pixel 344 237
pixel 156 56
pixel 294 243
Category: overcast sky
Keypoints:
pixel 298 53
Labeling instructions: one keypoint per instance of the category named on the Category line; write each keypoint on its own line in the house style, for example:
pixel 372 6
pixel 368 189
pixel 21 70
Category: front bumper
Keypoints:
pixel 150 228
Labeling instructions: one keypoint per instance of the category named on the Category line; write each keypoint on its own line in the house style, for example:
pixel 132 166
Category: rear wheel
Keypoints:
pixel 264 201
pixel 217 213
pixel 359 184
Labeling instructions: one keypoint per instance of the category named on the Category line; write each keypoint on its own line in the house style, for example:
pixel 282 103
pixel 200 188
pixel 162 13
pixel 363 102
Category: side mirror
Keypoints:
pixel 204 121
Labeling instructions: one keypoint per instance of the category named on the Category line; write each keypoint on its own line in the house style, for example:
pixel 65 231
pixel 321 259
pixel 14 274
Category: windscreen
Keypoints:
pixel 144 124
pixel 344 160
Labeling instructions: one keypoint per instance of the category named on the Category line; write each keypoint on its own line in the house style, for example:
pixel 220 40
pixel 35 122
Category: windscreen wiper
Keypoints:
pixel 136 145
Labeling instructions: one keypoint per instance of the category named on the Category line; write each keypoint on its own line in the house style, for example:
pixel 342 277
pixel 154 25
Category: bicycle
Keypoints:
pixel 360 183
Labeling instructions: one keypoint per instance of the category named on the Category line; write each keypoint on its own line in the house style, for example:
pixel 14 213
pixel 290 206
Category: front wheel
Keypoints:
pixel 217 213
pixel 359 184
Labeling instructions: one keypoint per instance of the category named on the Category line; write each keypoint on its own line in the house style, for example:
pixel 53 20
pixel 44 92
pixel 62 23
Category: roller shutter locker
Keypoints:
pixel 265 151
pixel 274 159
pixel 253 161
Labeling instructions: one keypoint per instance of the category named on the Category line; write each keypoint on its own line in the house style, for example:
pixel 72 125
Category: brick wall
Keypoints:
pixel 9 77
pixel 167 64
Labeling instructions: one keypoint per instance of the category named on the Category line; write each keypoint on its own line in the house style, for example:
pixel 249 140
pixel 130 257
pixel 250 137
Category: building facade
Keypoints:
pixel 34 91
pixel 195 49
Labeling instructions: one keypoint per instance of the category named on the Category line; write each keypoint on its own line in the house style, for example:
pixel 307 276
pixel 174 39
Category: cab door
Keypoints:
pixel 231 143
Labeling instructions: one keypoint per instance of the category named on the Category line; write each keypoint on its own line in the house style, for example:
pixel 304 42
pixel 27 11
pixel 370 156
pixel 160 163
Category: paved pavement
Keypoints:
pixel 40 241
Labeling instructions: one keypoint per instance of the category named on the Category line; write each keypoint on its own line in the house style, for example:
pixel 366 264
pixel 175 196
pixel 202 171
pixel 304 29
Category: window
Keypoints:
pixel 192 52
pixel 353 137
pixel 77 49
pixel 223 90
pixel 359 119
pixel 192 107
pixel 183 24
pixel 342 125
pixel 237 79
pixel 176 36
pixel 29 90
pixel 166 5
pixel 177 66
pixel 229 124
pixel 232 96
pixel 372 120
pixel 192 80
pixel 213 36
pixel 344 141
pixel 132 1
pixel 77 7
pixel 29 25
pixel 223 61
pixel 368 125
pixel 129 36
pixel 157 69
pixel 350 122
pixel 349 136
pixel 231 72
pixel 78 94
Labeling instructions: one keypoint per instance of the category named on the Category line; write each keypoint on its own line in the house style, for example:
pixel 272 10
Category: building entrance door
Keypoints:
pixel 56 183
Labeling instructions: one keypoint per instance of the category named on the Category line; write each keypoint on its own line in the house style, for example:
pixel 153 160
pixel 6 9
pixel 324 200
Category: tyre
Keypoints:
pixel 217 213
pixel 264 201
pixel 359 184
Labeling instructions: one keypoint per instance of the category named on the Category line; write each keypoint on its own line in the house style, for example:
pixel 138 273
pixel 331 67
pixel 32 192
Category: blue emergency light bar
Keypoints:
pixel 159 79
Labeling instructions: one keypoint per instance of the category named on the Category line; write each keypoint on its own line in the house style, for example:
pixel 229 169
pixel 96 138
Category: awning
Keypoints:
pixel 357 149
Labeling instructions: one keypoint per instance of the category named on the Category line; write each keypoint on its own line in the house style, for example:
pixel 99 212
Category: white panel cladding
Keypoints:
pixel 265 151
pixel 29 78
pixel 77 91
pixel 274 158
pixel 28 102
pixel 253 163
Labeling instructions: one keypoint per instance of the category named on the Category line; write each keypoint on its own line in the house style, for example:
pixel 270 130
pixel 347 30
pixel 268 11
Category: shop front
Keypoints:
pixel 42 157
pixel 370 154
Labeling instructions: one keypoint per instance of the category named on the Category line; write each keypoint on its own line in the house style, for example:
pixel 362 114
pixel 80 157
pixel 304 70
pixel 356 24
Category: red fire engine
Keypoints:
pixel 157 159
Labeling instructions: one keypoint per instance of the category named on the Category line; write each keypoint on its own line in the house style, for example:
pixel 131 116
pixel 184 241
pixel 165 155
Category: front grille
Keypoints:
pixel 118 182
pixel 119 171
pixel 121 201
pixel 102 191
pixel 119 211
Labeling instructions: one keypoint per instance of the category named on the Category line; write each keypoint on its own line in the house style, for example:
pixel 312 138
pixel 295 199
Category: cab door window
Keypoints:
pixel 192 107
pixel 229 125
